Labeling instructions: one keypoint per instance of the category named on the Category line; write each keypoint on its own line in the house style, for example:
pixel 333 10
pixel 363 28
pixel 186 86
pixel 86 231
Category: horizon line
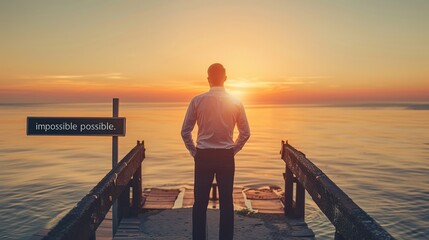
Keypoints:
pixel 417 105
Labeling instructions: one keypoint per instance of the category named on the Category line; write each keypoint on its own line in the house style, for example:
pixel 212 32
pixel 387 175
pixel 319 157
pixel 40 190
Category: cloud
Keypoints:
pixel 98 76
pixel 301 80
pixel 283 82
pixel 305 78
pixel 85 76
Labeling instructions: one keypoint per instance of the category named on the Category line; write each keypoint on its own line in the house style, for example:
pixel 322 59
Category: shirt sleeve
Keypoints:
pixel 187 127
pixel 243 130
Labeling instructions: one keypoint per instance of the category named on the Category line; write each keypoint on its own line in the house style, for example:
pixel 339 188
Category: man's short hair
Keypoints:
pixel 216 70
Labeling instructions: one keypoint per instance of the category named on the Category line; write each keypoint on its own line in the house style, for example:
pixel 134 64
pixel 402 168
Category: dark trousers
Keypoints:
pixel 208 164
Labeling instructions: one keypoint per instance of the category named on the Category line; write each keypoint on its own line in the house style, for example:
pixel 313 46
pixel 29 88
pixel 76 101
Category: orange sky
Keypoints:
pixel 274 51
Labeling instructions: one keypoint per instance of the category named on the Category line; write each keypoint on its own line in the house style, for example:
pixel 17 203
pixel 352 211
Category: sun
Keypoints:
pixel 237 93
pixel 239 88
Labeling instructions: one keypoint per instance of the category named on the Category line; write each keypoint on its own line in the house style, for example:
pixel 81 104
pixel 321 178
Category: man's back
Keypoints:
pixel 216 113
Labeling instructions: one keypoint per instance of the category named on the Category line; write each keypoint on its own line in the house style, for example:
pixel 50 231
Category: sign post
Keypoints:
pixel 115 219
pixel 84 126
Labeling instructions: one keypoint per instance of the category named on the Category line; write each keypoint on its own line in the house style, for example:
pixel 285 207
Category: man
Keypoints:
pixel 216 114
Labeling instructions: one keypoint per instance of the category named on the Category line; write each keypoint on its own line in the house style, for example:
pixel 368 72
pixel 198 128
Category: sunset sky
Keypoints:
pixel 274 51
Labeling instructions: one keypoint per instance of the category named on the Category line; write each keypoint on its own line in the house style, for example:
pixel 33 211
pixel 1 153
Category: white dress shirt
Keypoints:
pixel 216 113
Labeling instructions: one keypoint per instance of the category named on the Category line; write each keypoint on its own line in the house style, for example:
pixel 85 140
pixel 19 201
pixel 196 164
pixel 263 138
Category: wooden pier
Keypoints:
pixel 263 213
pixel 252 206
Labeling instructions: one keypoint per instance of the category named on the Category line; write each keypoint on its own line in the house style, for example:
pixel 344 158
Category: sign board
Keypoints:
pixel 76 126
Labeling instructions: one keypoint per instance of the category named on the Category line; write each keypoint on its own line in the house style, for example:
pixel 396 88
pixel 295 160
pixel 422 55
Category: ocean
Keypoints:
pixel 377 153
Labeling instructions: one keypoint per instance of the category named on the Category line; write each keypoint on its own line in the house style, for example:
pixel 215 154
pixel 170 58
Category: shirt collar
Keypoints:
pixel 217 89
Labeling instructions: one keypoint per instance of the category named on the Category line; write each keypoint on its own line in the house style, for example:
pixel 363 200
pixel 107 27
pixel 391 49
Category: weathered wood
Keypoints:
pixel 267 206
pixel 288 198
pixel 124 203
pixel 350 221
pixel 164 192
pixel 261 194
pixel 265 200
pixel 166 199
pixel 188 198
pixel 158 205
pixel 82 221
pixel 299 211
pixel 238 199
pixel 161 198
pixel 158 198
pixel 137 192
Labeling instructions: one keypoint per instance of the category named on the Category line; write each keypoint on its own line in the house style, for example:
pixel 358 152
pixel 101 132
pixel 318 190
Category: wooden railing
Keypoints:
pixel 350 221
pixel 83 220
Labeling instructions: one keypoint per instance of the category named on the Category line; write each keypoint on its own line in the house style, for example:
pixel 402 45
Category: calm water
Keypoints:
pixel 378 155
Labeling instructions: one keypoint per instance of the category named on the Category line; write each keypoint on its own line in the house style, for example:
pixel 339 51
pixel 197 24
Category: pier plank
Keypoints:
pixel 129 228
pixel 239 202
pixel 267 206
pixel 161 198
pixel 188 198
pixel 262 194
pixel 265 200
pixel 156 198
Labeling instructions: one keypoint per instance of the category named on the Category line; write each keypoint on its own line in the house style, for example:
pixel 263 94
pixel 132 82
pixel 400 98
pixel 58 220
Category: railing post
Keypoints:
pixel 137 186
pixel 299 211
pixel 296 210
pixel 124 203
pixel 288 176
pixel 137 192
pixel 115 220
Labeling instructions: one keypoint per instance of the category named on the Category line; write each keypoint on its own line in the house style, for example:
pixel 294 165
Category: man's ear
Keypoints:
pixel 208 80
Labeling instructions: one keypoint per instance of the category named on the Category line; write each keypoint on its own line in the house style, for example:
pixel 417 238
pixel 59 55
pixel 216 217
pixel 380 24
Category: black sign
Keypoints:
pixel 76 126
